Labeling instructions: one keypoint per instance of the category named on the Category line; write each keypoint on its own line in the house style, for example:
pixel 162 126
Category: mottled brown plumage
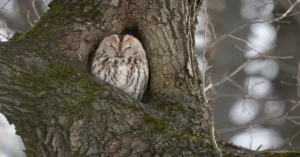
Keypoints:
pixel 122 63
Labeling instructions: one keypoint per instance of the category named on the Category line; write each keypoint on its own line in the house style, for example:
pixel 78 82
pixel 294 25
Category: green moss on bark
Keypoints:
pixel 155 124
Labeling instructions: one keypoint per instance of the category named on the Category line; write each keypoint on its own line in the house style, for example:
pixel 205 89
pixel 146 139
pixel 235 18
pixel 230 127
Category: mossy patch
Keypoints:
pixel 40 80
pixel 192 134
pixel 155 124
pixel 80 115
pixel 30 148
pixel 136 108
pixel 282 154
pixel 78 154
pixel 58 80
pixel 169 108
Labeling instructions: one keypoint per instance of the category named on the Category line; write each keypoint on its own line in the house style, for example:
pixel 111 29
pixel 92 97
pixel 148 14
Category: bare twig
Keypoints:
pixel 35 10
pixel 213 140
pixel 28 18
pixel 278 19
pixel 285 115
pixel 4 36
pixel 5 4
pixel 208 87
pixel 293 121
pixel 298 80
pixel 261 52
pixel 213 31
pixel 236 71
pixel 237 85
pixel 258 147
pixel 251 137
pixel 203 56
pixel 259 55
pixel 289 83
pixel 288 143
pixel 244 97
pixel 287 12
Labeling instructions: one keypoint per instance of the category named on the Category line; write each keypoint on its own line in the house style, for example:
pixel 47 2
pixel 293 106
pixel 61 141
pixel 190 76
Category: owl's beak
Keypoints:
pixel 119 54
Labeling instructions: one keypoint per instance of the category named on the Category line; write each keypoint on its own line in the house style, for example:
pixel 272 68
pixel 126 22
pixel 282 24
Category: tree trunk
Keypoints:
pixel 60 110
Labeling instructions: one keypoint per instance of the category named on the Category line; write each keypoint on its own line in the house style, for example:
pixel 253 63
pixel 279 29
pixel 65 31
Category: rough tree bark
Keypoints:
pixel 59 110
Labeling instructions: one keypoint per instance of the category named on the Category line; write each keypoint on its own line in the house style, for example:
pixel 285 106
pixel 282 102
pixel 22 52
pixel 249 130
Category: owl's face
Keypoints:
pixel 109 46
pixel 113 47
pixel 132 47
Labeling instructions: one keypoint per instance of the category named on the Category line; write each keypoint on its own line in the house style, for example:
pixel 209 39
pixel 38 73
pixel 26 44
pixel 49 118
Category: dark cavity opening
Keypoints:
pixel 134 32
pixel 91 56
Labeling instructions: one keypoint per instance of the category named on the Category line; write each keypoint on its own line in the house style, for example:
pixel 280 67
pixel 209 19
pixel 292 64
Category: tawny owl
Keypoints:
pixel 121 61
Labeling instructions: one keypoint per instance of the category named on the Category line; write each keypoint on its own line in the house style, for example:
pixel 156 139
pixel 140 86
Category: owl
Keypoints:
pixel 121 62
